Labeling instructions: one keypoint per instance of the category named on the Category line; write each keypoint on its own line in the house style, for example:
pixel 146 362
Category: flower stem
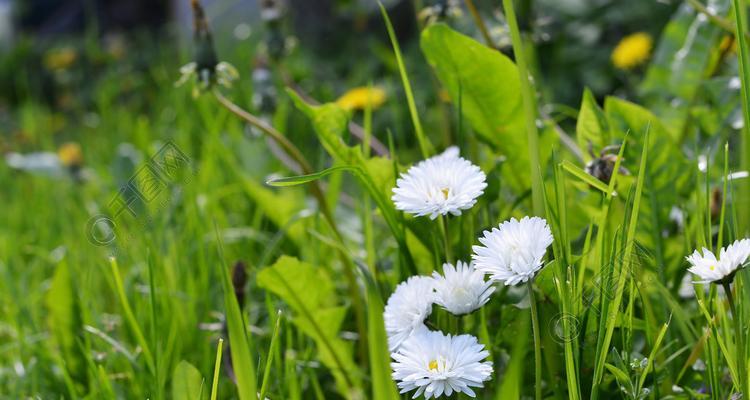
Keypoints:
pixel 446 238
pixel 537 343
pixel 739 340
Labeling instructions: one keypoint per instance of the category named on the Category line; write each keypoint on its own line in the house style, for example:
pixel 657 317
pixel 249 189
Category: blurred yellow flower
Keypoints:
pixel 359 98
pixel 632 51
pixel 728 44
pixel 60 59
pixel 70 154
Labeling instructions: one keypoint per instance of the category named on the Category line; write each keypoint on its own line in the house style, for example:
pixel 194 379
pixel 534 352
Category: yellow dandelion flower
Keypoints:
pixel 70 154
pixel 60 59
pixel 632 51
pixel 359 98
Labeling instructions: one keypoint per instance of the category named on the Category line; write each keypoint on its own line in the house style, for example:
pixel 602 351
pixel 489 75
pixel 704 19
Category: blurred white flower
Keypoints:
pixel 435 364
pixel 710 269
pixel 407 309
pixel 512 252
pixel 461 289
pixel 439 185
pixel 222 73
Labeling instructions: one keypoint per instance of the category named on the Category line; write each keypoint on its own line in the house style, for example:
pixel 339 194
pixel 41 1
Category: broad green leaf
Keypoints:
pixel 309 291
pixel 592 129
pixel 489 86
pixel 279 207
pixel 667 178
pixel 722 112
pixel 187 382
pixel 680 63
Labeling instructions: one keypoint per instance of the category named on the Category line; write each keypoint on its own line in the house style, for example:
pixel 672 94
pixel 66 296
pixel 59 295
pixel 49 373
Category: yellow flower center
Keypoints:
pixel 712 268
pixel 445 193
pixel 433 365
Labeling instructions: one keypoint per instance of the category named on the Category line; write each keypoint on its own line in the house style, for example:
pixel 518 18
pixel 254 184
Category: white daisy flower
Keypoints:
pixel 439 185
pixel 711 269
pixel 407 308
pixel 512 252
pixel 461 289
pixel 435 364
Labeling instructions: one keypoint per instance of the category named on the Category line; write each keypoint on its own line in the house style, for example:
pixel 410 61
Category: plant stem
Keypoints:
pixel 296 154
pixel 480 23
pixel 739 340
pixel 529 108
pixel 446 239
pixel 537 343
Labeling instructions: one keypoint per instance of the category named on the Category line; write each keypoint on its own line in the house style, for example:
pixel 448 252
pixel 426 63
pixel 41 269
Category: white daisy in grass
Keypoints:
pixel 461 289
pixel 435 364
pixel 439 185
pixel 712 269
pixel 513 252
pixel 407 308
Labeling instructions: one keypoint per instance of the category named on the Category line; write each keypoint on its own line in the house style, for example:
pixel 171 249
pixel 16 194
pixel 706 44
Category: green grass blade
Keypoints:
pixel 743 56
pixel 271 351
pixel 586 177
pixel 383 387
pixel 424 143
pixel 239 340
pixel 217 368
pixel 129 316
pixel 529 108
pixel 651 356
pixel 614 306
pixel 302 179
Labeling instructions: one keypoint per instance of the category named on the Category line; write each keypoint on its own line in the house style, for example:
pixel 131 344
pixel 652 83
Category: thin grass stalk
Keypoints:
pixel 130 316
pixel 743 56
pixel 424 144
pixel 217 368
pixel 445 230
pixel 480 23
pixel 537 342
pixel 529 108
pixel 269 361
pixel 603 342
pixel 720 240
pixel 739 339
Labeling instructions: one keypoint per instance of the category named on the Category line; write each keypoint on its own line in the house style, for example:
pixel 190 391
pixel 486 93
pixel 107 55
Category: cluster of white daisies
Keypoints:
pixel 436 364
pixel 431 362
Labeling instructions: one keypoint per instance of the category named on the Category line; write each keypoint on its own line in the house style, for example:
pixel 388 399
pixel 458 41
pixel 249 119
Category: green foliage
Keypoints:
pixel 239 340
pixel 309 292
pixel 187 382
pixel 491 103
pixel 682 60
pixel 66 322
pixel 618 315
